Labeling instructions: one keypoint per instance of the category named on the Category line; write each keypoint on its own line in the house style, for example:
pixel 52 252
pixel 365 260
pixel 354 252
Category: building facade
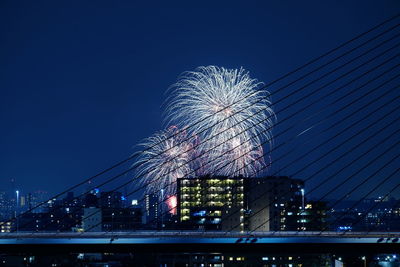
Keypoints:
pixel 237 204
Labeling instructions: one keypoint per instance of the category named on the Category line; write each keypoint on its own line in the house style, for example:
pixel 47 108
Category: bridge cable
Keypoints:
pixel 347 165
pixel 335 147
pixel 207 163
pixel 375 99
pixel 267 85
pixel 309 84
pixel 381 183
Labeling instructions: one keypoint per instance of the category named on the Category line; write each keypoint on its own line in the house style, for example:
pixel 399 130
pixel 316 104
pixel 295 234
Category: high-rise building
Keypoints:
pixel 204 201
pixel 268 199
pixel 238 204
pixel 151 211
pixel 312 216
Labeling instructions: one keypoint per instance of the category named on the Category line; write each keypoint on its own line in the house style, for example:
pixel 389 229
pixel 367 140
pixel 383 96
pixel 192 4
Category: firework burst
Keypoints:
pixel 233 116
pixel 166 157
pixel 232 119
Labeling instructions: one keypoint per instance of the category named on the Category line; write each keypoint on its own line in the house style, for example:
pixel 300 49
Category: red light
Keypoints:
pixel 172 202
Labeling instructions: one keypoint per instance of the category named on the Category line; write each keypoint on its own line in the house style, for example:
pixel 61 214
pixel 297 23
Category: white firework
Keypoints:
pixel 233 118
pixel 240 158
pixel 166 157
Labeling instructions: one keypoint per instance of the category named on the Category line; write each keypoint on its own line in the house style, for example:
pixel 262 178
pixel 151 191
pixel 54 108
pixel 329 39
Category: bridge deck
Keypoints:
pixel 201 241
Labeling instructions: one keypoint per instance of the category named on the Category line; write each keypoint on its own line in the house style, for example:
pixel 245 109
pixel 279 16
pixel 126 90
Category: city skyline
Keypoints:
pixel 200 134
pixel 102 119
pixel 259 202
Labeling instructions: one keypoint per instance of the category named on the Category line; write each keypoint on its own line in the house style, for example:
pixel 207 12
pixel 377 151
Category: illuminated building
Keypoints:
pixel 238 204
pixel 151 211
pixel 310 217
pixel 203 202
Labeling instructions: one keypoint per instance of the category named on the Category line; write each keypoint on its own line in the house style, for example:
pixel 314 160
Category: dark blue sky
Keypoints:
pixel 82 83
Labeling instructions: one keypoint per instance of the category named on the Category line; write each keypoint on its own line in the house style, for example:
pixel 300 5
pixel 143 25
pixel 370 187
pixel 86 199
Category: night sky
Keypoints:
pixel 81 84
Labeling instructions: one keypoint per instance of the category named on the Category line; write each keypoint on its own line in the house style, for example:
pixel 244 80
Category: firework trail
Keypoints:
pixel 228 106
pixel 165 158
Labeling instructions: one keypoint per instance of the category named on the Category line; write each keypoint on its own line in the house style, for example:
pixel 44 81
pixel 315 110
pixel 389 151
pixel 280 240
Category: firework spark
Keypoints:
pixel 234 118
pixel 166 157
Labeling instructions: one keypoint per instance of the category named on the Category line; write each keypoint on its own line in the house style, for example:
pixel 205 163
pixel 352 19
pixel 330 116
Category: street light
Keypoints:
pixel 112 222
pixel 16 207
pixel 162 209
pixel 302 206
pixel 17 193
